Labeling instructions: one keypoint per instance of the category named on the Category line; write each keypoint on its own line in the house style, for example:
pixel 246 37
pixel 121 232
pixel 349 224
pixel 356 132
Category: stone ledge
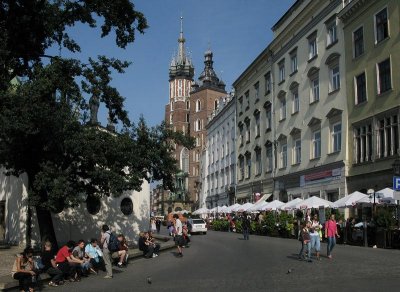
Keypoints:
pixel 6 282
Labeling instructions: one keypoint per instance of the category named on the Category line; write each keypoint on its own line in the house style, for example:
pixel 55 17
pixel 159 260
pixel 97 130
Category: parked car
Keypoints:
pixel 198 226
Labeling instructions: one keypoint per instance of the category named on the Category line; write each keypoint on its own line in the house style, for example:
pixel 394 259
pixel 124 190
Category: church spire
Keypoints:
pixel 181 41
pixel 181 65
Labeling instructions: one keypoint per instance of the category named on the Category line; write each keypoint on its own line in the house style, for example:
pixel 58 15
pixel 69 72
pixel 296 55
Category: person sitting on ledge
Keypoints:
pixel 122 253
pixel 95 255
pixel 23 270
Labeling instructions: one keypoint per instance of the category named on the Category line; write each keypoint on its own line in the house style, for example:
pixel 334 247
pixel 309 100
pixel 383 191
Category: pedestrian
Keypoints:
pixel 314 235
pixel 23 270
pixel 153 225
pixel 330 233
pixel 50 265
pixel 305 239
pixel 245 226
pixel 158 225
pixel 105 239
pixel 178 234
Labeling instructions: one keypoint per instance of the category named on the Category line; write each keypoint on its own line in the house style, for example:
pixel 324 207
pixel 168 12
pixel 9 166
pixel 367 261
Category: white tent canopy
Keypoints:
pixel 314 202
pixel 243 207
pixel 272 206
pixel 291 204
pixel 350 200
pixel 384 196
pixel 257 207
pixel 223 209
pixel 230 208
pixel 201 211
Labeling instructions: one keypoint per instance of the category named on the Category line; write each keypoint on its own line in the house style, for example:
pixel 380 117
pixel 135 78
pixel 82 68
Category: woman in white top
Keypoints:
pixel 314 234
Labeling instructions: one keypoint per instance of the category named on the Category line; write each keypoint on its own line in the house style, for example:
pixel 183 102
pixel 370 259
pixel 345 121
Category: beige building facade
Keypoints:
pixel 371 33
pixel 292 132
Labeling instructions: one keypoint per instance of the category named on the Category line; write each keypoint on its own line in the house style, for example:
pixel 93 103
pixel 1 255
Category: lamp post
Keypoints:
pixel 371 192
pixel 396 171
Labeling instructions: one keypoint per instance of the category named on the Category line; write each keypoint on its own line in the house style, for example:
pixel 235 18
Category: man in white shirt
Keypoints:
pixel 178 234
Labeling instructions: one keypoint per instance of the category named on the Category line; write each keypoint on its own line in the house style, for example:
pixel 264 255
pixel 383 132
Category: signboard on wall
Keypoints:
pixel 319 176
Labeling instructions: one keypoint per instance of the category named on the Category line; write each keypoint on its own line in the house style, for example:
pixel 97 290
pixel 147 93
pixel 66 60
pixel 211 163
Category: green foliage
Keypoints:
pixel 384 218
pixel 44 127
pixel 220 225
pixel 270 222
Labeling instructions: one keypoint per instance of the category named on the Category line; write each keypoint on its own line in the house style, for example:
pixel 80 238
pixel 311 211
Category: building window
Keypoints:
pixel 312 46
pixel 247 131
pixel 316 144
pixel 282 109
pixel 283 156
pixel 358 42
pixel 360 88
pixel 247 96
pixel 384 76
pixel 363 143
pixel 293 61
pixel 198 105
pixel 334 83
pixel 188 105
pixel 267 78
pixel 197 125
pixel 268 117
pixel 297 152
pixel 180 87
pixel 258 162
pixel 314 97
pixel 187 118
pixel 295 101
pixel 281 68
pixel 331 32
pixel 269 157
pixel 248 165
pixel 216 104
pixel 388 136
pixel 171 119
pixel 256 91
pixel 93 204
pixel 336 137
pixel 126 206
pixel 240 104
pixel 381 25
pixel 257 128
pixel 241 138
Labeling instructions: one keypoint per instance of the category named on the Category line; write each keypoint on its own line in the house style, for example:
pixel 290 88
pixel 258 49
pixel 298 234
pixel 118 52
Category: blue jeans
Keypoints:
pixel 315 243
pixel 308 247
pixel 246 233
pixel 331 244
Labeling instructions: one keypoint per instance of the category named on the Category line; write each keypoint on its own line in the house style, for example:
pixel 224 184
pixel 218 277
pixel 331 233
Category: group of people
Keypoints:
pixel 310 237
pixel 72 261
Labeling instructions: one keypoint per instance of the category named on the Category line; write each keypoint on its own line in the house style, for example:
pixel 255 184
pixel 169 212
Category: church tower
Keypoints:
pixel 181 72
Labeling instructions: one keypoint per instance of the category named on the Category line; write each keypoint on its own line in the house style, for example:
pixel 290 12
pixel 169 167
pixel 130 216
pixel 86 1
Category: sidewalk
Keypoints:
pixel 7 257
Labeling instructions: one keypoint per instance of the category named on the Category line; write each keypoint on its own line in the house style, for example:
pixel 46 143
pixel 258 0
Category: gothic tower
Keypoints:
pixel 181 72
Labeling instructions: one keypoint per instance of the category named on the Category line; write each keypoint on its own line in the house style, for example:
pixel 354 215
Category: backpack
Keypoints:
pixel 113 243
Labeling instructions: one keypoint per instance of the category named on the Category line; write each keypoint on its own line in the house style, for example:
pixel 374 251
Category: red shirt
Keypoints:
pixel 62 254
pixel 331 228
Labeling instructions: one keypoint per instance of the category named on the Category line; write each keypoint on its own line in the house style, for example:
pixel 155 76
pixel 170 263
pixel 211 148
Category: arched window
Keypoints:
pixel 198 105
pixel 215 104
pixel 184 160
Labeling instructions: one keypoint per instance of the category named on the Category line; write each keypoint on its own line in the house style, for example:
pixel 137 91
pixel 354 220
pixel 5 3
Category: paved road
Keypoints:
pixel 222 261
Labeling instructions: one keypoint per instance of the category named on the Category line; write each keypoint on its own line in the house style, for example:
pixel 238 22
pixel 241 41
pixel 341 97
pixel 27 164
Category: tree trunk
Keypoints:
pixel 46 227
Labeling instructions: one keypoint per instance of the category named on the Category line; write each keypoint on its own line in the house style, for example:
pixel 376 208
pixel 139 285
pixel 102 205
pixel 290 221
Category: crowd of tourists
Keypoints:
pixel 78 259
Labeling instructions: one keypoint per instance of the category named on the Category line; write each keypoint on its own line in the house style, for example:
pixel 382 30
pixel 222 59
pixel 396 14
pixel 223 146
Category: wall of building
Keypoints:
pixel 73 223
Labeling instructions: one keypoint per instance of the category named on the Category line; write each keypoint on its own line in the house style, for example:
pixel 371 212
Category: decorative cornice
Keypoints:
pixel 350 9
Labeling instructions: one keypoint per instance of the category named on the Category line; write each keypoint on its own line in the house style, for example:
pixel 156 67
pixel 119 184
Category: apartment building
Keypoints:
pixel 371 34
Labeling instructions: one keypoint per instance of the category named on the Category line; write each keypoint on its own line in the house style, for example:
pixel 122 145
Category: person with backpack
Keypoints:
pixel 105 243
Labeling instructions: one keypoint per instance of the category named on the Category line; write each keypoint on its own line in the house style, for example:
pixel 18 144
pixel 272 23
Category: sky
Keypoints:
pixel 237 31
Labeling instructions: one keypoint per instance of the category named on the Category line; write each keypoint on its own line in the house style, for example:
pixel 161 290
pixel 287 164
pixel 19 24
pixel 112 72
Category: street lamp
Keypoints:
pixel 371 192
pixel 396 171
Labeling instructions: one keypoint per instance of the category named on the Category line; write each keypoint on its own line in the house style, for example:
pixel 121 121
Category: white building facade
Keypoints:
pixel 219 156
pixel 127 214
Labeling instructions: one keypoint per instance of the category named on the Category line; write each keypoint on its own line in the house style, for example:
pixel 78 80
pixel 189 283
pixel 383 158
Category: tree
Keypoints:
pixel 49 126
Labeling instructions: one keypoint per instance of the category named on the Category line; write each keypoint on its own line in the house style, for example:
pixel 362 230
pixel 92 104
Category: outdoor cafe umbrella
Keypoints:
pixel 314 202
pixel 233 207
pixel 291 204
pixel 350 200
pixel 201 211
pixel 272 206
pixel 244 207
pixel 257 207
